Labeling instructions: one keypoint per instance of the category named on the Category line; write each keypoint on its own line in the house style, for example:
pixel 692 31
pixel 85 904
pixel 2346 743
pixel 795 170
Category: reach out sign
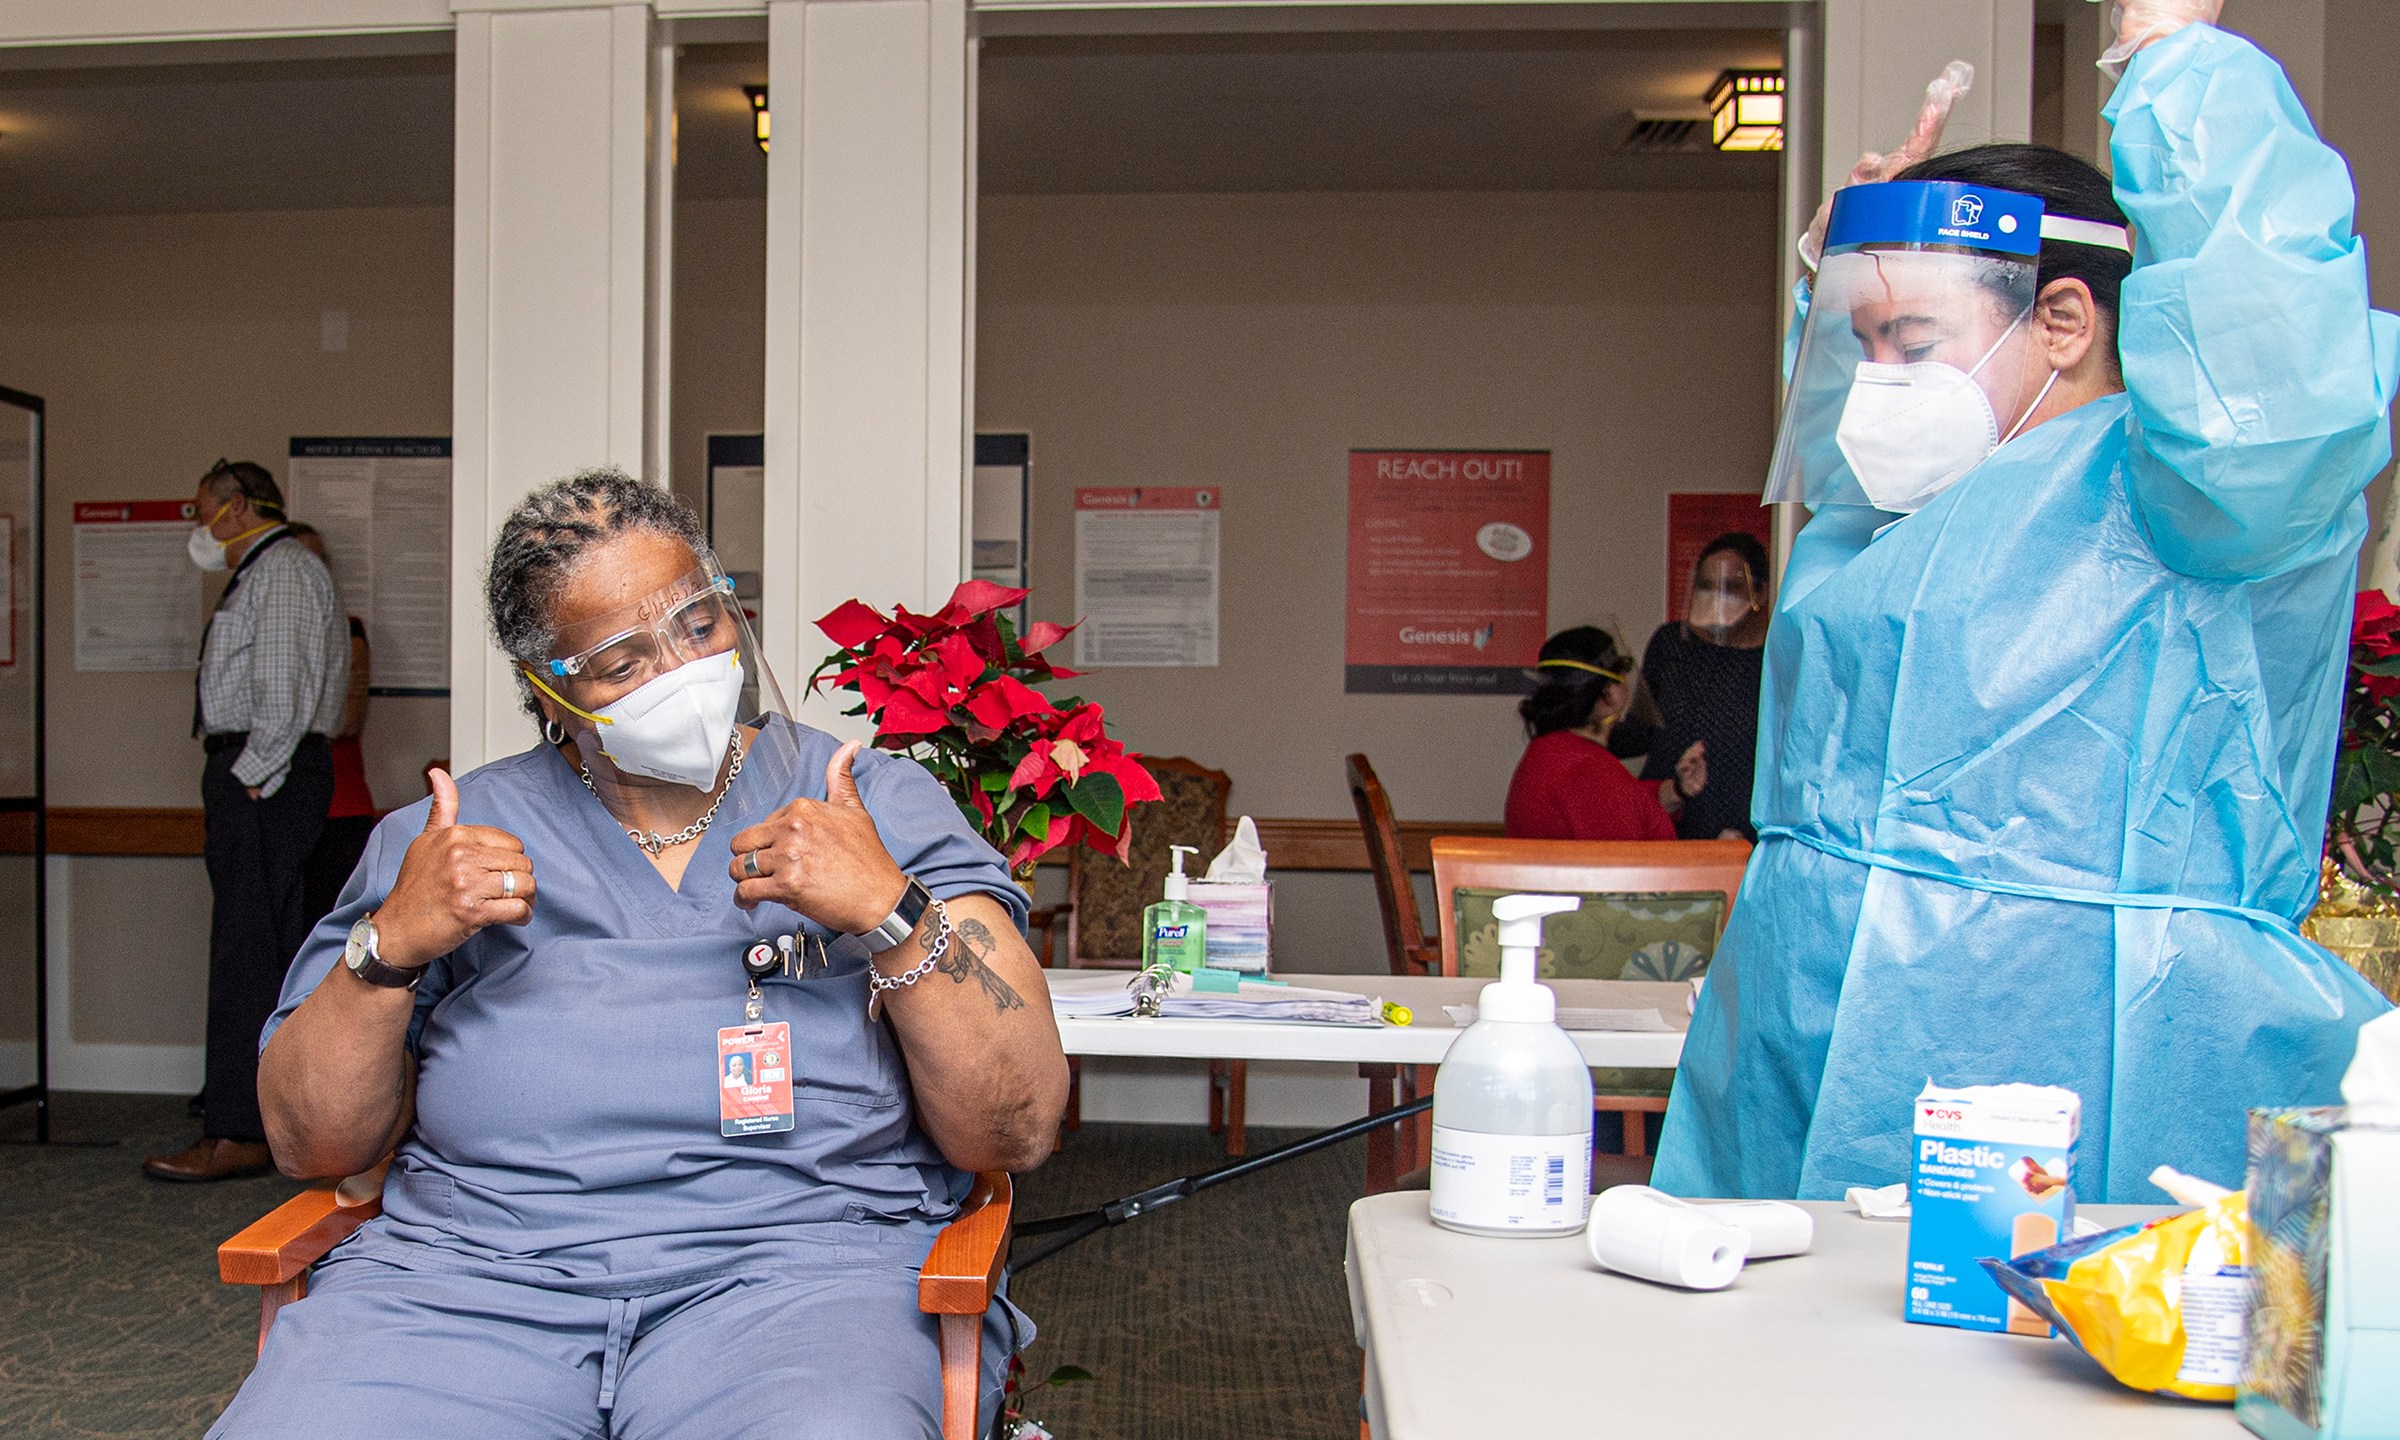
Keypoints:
pixel 1449 571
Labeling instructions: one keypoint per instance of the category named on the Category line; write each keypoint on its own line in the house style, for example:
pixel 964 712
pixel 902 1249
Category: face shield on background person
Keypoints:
pixel 658 688
pixel 1917 358
pixel 1723 595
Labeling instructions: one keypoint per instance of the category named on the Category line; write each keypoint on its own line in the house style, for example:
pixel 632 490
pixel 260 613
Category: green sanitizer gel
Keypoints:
pixel 1175 930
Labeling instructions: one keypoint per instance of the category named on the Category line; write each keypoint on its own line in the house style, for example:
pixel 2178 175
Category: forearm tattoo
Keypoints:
pixel 972 943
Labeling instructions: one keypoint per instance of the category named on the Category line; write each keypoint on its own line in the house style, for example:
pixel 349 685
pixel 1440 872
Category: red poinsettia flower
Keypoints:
pixel 2375 624
pixel 956 689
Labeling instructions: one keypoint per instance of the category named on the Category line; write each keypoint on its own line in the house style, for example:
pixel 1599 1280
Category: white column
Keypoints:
pixel 867 423
pixel 1879 54
pixel 549 361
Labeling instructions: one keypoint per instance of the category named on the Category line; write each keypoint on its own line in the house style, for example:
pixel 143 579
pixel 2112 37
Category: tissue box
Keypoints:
pixel 1241 922
pixel 2323 1359
pixel 1991 1171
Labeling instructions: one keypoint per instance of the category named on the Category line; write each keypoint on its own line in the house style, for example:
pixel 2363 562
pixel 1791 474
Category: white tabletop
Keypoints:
pixel 1468 1337
pixel 1422 1042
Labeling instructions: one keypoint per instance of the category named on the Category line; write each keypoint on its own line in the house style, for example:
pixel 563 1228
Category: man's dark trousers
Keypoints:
pixel 257 862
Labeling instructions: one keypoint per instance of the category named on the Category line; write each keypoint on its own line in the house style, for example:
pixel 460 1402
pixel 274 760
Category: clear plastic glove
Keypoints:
pixel 1956 79
pixel 2137 23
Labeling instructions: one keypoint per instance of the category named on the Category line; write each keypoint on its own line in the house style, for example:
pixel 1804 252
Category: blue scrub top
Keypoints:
pixel 567 1112
pixel 2043 768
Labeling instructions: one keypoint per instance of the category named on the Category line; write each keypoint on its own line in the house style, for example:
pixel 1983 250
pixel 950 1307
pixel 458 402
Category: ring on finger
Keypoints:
pixel 508 884
pixel 750 866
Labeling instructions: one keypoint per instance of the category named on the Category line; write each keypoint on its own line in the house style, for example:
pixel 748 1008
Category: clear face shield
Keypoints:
pixel 1916 359
pixel 670 687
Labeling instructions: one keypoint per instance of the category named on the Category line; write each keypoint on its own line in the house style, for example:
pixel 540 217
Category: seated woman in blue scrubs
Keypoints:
pixel 530 996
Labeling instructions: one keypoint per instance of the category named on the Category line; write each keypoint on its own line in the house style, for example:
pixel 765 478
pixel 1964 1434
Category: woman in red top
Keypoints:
pixel 1568 786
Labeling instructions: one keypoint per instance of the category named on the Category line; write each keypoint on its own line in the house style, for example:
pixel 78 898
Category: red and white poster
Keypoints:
pixel 1449 589
pixel 1693 520
pixel 137 593
pixel 1147 574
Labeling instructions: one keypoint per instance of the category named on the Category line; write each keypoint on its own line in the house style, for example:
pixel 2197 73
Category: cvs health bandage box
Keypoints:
pixel 1990 1178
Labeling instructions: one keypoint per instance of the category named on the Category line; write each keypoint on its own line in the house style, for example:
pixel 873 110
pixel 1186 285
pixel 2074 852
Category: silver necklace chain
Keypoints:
pixel 654 842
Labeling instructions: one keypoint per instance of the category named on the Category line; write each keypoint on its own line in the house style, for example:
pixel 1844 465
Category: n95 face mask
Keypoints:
pixel 206 550
pixel 1909 432
pixel 676 727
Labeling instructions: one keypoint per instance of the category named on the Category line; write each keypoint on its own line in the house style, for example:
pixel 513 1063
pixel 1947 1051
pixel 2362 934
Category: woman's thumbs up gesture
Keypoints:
pixel 823 858
pixel 454 880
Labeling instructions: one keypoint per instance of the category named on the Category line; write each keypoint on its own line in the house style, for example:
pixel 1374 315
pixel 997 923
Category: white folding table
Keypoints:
pixel 1468 1337
pixel 1380 1050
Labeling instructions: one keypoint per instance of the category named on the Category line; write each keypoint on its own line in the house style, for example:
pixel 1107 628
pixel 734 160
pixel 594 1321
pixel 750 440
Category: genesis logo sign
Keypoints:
pixel 1479 637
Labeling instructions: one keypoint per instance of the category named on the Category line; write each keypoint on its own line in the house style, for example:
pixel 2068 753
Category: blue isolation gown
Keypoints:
pixel 2043 768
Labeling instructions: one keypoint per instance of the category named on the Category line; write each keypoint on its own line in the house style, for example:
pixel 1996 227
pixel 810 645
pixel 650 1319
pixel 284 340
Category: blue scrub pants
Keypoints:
pixel 377 1351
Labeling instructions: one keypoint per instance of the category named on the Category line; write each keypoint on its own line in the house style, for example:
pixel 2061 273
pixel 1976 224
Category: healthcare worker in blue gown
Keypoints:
pixel 648 1180
pixel 2052 689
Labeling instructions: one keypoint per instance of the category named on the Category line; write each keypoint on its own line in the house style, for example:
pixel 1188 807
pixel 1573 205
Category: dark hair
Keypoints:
pixel 1743 544
pixel 548 532
pixel 2068 186
pixel 1564 697
pixel 246 478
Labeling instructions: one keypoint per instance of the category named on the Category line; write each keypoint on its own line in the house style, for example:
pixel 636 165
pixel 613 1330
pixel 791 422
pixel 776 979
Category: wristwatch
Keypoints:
pixel 358 952
pixel 902 922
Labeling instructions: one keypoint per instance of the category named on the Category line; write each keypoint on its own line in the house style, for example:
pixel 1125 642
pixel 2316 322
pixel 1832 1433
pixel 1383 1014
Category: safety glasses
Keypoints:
pixel 691 621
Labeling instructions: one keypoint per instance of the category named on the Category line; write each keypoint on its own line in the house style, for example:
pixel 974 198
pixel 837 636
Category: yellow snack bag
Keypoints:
pixel 2162 1306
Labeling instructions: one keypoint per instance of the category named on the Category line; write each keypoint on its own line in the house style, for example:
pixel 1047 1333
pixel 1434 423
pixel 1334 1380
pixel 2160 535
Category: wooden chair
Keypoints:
pixel 1409 950
pixel 1407 946
pixel 1592 868
pixel 1102 916
pixel 960 1277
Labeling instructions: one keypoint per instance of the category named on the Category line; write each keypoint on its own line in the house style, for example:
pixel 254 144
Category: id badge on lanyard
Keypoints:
pixel 754 1061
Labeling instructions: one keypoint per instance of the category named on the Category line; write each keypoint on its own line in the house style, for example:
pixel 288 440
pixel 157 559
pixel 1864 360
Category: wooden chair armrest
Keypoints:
pixel 1424 959
pixel 963 1272
pixel 293 1236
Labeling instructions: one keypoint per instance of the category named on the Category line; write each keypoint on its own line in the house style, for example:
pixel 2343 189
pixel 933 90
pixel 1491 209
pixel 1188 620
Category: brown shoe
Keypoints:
pixel 211 1159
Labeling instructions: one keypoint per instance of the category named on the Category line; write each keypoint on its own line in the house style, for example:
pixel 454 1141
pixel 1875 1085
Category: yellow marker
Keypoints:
pixel 1397 1014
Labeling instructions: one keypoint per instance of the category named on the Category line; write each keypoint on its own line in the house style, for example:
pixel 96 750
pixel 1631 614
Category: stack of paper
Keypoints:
pixel 1107 993
pixel 1240 917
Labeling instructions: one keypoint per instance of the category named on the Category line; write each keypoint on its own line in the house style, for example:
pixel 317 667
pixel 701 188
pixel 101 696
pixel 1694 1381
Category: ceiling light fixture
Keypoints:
pixel 758 112
pixel 1745 110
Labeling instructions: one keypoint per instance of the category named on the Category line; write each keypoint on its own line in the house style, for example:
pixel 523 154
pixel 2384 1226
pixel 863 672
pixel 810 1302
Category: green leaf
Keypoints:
pixel 994 781
pixel 1099 799
pixel 1036 822
pixel 2389 666
pixel 1067 1374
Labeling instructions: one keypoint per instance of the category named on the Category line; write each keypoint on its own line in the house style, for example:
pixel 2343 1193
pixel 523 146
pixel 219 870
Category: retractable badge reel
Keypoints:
pixel 754 1058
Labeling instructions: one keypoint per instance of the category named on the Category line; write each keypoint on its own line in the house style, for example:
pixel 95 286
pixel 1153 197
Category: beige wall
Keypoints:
pixel 1248 342
pixel 161 342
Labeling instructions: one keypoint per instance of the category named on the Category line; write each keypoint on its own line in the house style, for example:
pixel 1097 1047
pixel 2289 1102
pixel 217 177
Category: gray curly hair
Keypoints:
pixel 547 533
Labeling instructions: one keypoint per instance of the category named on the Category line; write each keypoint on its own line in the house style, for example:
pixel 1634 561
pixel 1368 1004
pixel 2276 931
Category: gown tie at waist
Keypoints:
pixel 2114 899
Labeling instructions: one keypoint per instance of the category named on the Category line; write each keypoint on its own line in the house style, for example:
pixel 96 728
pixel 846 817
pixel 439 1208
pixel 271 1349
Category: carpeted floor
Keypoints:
pixel 1222 1316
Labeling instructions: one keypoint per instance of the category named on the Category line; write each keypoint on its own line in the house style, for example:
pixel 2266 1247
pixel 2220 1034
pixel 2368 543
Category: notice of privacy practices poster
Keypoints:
pixel 1449 588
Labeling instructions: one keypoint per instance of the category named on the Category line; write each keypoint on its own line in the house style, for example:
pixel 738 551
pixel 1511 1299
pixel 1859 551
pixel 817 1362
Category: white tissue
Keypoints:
pixel 2371 1086
pixel 1243 861
pixel 1887 1202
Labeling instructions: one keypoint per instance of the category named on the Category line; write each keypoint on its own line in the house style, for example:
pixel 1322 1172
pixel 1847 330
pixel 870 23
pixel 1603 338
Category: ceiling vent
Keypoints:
pixel 1666 132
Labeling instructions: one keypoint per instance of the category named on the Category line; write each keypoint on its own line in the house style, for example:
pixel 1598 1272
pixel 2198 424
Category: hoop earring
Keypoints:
pixel 553 732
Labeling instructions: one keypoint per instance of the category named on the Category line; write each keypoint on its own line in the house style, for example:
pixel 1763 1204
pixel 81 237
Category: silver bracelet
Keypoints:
pixel 878 982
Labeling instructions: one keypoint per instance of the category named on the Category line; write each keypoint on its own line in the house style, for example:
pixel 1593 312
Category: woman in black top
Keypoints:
pixel 1703 673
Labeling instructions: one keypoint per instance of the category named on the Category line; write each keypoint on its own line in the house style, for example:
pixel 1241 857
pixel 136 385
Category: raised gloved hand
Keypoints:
pixel 2137 23
pixel 1956 79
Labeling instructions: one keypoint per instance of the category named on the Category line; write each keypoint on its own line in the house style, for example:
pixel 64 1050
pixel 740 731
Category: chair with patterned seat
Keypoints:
pixel 1652 910
pixel 1102 915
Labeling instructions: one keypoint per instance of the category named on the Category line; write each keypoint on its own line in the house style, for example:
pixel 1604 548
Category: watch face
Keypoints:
pixel 360 947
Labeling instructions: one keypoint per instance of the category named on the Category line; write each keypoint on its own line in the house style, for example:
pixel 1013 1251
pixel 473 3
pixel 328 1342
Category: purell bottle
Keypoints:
pixel 1512 1103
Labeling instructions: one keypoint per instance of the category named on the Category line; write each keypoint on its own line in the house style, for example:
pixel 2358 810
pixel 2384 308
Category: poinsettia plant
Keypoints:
pixel 954 690
pixel 2362 832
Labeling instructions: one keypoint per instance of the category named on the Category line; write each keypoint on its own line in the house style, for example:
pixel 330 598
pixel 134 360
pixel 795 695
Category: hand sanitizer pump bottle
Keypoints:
pixel 1512 1103
pixel 1175 930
